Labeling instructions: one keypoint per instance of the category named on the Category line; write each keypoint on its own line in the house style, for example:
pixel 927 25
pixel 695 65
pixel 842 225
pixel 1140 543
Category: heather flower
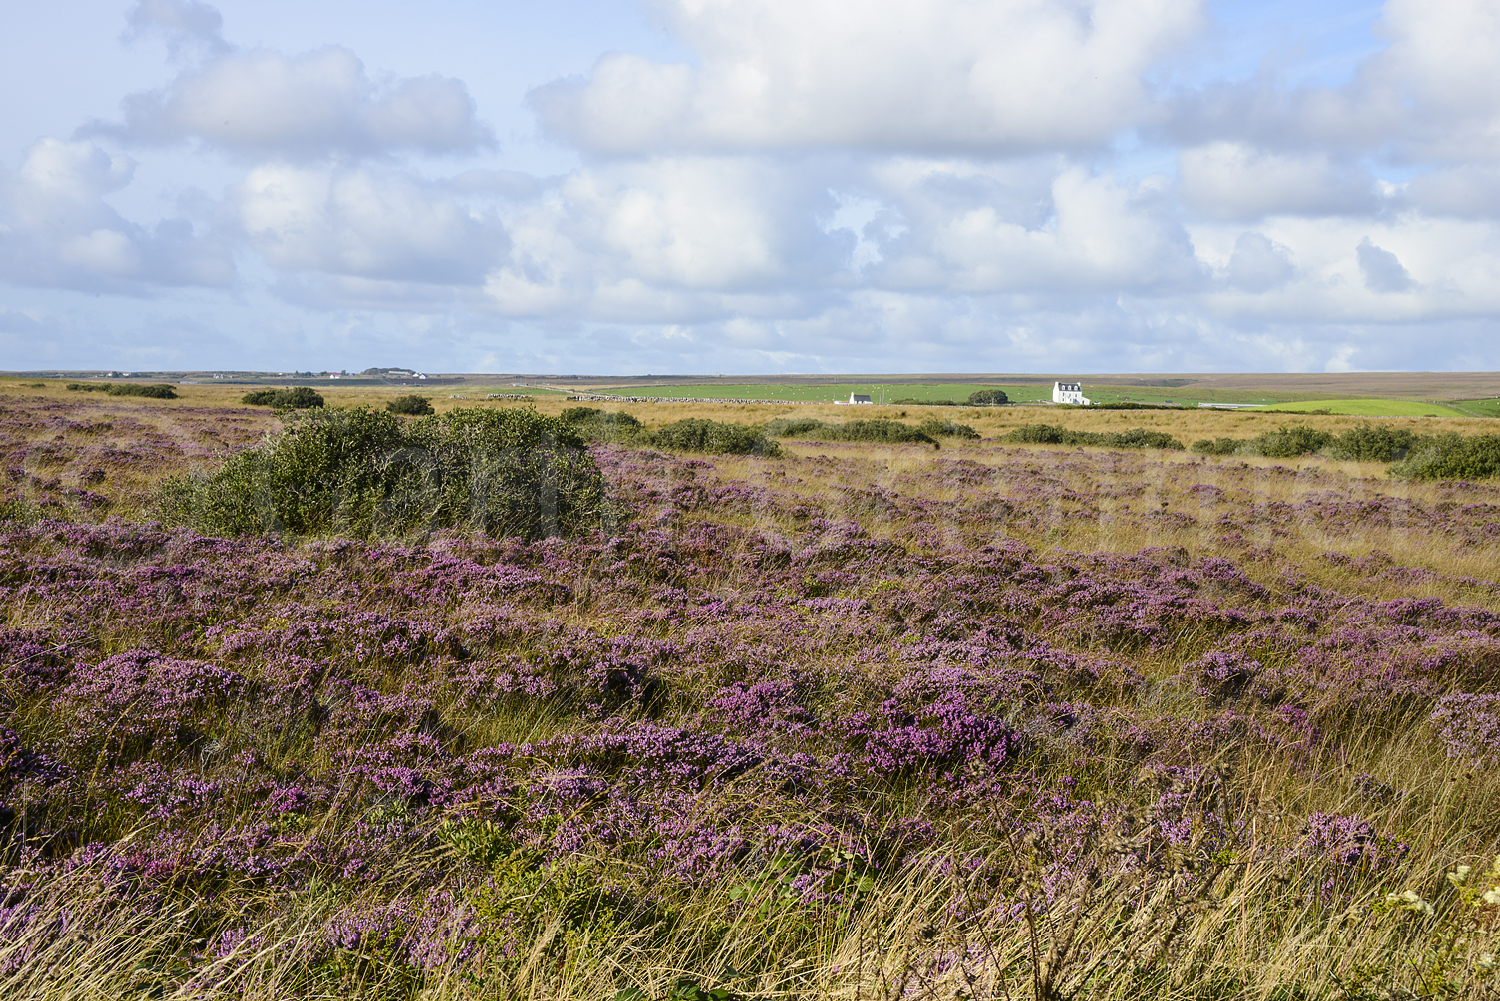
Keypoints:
pixel 1469 726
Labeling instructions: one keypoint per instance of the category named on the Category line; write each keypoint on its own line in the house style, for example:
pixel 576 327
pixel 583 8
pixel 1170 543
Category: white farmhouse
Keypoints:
pixel 859 398
pixel 1069 392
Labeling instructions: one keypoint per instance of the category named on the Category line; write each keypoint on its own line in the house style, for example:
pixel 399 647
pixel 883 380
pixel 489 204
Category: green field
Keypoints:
pixel 882 392
pixel 1489 407
pixel 1370 408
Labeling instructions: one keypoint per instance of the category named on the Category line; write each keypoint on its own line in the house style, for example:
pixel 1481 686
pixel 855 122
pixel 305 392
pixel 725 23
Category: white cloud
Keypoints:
pixel 1433 94
pixel 674 239
pixel 1259 264
pixel 185 25
pixel 1080 233
pixel 1382 269
pixel 1003 76
pixel 364 223
pixel 1226 180
pixel 267 105
pixel 56 229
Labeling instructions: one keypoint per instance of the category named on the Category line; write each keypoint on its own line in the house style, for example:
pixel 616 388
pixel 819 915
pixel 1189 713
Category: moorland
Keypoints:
pixel 967 715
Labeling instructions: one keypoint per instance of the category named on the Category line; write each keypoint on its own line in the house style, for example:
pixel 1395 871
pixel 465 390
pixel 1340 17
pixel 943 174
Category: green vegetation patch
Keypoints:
pixel 365 473
pixel 888 432
pixel 411 405
pixel 156 391
pixel 1366 408
pixel 1051 434
pixel 690 435
pixel 297 398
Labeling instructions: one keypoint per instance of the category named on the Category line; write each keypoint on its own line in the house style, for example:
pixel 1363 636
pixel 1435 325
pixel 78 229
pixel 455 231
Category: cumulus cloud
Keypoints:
pixel 1259 264
pixel 1465 192
pixel 1081 232
pixel 673 239
pixel 1227 180
pixel 56 229
pixel 1432 94
pixel 1382 269
pixel 877 74
pixel 187 26
pixel 366 224
pixel 265 104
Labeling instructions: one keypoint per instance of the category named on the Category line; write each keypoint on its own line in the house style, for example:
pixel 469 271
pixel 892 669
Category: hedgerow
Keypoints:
pixel 366 474
pixel 1051 434
pixel 156 391
pixel 693 434
pixel 297 398
pixel 890 432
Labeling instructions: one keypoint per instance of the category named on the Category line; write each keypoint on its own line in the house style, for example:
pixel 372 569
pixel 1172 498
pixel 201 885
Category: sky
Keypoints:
pixel 750 186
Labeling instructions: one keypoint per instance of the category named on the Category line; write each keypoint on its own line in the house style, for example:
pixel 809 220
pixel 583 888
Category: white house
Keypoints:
pixel 1069 392
pixel 858 398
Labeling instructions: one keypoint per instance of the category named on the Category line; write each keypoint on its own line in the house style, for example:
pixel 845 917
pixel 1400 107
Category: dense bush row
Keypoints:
pixel 884 431
pixel 368 474
pixel 689 435
pixel 1446 456
pixel 156 391
pixel 1051 434
pixel 296 398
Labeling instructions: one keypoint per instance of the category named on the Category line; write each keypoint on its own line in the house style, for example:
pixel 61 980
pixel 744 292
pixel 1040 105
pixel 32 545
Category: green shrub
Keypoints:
pixel 89 387
pixel 694 434
pixel 1217 446
pixel 1042 434
pixel 1139 438
pixel 1374 443
pixel 603 425
pixel 412 405
pixel 297 398
pixel 1289 442
pixel 158 391
pixel 1051 434
pixel 988 398
pixel 367 474
pixel 946 429
pixel 912 401
pixel 792 427
pixel 1452 456
pixel 893 432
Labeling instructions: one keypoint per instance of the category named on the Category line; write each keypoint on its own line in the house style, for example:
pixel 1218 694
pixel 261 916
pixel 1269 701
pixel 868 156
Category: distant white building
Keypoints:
pixel 1069 392
pixel 857 398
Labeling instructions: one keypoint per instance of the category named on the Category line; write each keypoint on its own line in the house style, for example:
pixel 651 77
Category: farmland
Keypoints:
pixel 859 720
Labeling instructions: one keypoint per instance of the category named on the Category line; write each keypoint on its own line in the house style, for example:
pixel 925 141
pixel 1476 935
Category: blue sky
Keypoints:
pixel 751 185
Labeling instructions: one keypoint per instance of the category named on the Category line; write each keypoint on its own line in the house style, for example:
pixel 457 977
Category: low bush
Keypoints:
pixel 1375 443
pixel 297 398
pixel 1283 443
pixel 1051 434
pixel 892 432
pixel 912 401
pixel 157 391
pixel 694 434
pixel 1452 457
pixel 947 429
pixel 1217 446
pixel 412 405
pixel 793 427
pixel 603 425
pixel 988 398
pixel 367 474
pixel 88 387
